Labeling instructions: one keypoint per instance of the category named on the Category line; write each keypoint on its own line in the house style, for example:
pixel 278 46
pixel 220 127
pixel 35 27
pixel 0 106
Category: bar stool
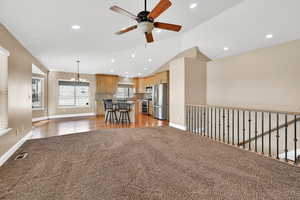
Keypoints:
pixel 124 109
pixel 110 111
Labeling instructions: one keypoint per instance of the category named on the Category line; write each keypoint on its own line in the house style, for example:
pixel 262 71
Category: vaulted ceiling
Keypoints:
pixel 44 28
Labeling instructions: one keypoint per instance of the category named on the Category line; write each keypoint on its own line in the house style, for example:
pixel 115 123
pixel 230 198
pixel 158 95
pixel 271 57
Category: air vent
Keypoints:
pixel 21 156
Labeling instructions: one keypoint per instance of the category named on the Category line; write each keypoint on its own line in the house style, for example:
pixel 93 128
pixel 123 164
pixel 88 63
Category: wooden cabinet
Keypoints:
pixel 164 77
pixel 141 85
pixel 138 84
pixel 106 84
pixel 106 87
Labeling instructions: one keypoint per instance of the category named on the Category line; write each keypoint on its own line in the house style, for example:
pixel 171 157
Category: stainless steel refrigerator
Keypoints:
pixel 160 101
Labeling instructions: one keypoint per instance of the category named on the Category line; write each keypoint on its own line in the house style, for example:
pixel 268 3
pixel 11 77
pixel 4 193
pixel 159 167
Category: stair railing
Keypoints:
pixel 274 133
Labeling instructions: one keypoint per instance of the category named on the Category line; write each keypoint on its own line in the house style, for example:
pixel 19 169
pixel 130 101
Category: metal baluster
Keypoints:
pixel 270 136
pixel 187 117
pixel 223 125
pixel 233 127
pixel 211 123
pixel 198 119
pixel 262 130
pixel 194 119
pixel 238 126
pixel 295 140
pixel 249 130
pixel 190 117
pixel 191 121
pixel 255 131
pixel 277 136
pixel 286 136
pixel 208 122
pixel 219 124
pixel 204 122
pixel 215 123
pixel 228 127
pixel 244 129
pixel 201 118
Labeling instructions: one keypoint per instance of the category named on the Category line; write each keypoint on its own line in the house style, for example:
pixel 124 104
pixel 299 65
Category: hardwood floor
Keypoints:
pixel 55 127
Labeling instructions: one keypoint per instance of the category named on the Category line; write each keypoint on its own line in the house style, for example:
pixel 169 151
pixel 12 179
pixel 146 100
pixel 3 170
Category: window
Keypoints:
pixel 124 91
pixel 73 94
pixel 37 93
pixel 3 91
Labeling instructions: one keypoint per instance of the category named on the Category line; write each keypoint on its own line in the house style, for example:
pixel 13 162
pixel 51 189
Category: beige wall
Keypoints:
pixel 187 86
pixel 19 89
pixel 177 92
pixel 54 109
pixel 42 112
pixel 265 78
pixel 195 81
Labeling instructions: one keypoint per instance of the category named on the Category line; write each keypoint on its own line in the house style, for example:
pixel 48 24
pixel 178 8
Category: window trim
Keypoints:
pixel 4 129
pixel 72 106
pixel 43 93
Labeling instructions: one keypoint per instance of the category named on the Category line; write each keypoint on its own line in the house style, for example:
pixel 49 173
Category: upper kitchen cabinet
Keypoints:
pixel 139 85
pixel 164 77
pixel 107 83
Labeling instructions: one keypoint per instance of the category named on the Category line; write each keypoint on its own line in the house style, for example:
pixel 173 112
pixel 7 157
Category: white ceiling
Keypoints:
pixel 243 28
pixel 44 28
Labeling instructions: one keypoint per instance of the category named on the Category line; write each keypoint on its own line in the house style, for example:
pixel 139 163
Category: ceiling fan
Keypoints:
pixel 145 20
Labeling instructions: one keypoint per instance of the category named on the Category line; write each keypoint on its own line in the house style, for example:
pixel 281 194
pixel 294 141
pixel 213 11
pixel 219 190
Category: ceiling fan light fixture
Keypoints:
pixel 145 27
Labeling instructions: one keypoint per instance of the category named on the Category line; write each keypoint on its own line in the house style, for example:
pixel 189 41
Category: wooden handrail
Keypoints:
pixel 248 109
pixel 270 131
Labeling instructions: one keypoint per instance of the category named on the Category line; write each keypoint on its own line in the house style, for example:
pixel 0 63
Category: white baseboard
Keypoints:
pixel 177 126
pixel 63 116
pixel 12 150
pixel 4 131
pixel 39 119
pixel 71 115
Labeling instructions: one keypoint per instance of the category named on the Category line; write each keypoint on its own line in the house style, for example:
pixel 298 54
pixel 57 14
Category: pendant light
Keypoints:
pixel 78 72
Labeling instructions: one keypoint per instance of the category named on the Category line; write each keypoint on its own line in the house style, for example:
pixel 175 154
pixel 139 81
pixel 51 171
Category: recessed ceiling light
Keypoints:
pixel 145 68
pixel 193 5
pixel 133 55
pixel 150 60
pixel 269 36
pixel 226 48
pixel 76 27
pixel 112 60
pixel 139 74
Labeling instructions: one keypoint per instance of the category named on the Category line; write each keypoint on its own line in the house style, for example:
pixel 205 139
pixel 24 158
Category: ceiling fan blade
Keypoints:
pixel 126 30
pixel 159 9
pixel 166 26
pixel 149 37
pixel 123 12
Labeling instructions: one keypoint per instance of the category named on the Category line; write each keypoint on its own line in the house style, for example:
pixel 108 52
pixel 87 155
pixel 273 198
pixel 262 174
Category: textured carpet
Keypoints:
pixel 147 163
